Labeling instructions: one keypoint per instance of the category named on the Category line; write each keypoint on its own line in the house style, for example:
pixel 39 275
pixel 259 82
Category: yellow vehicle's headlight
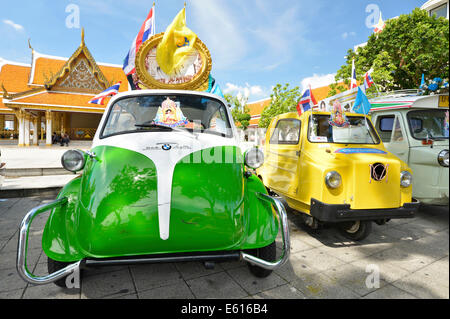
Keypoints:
pixel 443 158
pixel 405 179
pixel 333 179
pixel 73 160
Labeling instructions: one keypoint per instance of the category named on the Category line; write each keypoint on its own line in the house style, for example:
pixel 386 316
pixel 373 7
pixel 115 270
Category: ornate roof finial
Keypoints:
pixel 29 44
pixel 82 37
pixel 5 92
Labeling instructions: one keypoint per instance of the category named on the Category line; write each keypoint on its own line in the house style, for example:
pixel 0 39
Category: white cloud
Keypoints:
pixel 218 26
pixel 317 80
pixel 253 92
pixel 16 26
pixel 345 35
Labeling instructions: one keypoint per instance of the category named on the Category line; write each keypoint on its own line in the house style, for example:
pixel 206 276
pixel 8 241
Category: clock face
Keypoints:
pixel 193 74
pixel 188 71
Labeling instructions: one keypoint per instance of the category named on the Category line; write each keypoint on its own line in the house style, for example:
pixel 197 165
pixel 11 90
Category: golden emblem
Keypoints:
pixel 192 75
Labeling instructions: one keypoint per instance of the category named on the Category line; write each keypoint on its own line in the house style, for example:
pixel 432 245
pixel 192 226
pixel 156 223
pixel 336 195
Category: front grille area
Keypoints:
pixel 378 171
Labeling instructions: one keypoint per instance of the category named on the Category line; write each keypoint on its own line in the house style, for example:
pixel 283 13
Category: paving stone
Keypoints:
pixel 423 286
pixel 320 286
pixel 283 292
pixel 8 259
pixel 174 291
pixel 356 278
pixel 50 291
pixel 10 280
pixel 154 275
pixel 389 292
pixel 388 273
pixel 294 269
pixel 404 259
pixel 318 259
pixel 216 286
pixel 108 285
pixel 252 284
pixel 190 270
pixel 12 294
pixel 437 272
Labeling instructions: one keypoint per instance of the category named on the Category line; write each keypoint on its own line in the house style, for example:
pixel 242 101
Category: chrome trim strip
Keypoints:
pixel 282 220
pixel 22 247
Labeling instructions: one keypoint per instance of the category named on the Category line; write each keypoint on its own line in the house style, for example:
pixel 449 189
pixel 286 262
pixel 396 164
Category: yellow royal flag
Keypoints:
pixel 177 43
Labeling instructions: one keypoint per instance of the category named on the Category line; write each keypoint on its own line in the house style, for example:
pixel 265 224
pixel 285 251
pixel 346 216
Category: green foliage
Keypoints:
pixel 240 113
pixel 283 100
pixel 410 45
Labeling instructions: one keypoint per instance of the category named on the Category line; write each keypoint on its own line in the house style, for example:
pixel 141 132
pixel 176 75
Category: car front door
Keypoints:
pixel 392 130
pixel 282 155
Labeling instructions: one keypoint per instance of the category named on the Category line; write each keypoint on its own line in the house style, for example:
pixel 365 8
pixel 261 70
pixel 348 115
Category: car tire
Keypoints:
pixel 268 253
pixel 52 266
pixel 357 230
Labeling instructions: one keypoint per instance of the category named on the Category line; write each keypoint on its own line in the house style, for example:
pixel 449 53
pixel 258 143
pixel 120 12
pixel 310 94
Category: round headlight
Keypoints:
pixel 254 158
pixel 405 179
pixel 443 158
pixel 73 160
pixel 333 179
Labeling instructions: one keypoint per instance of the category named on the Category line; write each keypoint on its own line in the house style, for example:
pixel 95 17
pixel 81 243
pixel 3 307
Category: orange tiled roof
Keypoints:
pixel 52 99
pixel 45 67
pixel 15 77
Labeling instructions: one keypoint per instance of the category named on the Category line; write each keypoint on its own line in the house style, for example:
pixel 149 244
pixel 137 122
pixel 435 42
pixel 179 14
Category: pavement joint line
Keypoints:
pixel 133 281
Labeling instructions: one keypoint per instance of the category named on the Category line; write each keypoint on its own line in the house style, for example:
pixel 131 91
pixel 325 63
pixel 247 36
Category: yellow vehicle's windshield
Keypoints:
pixel 357 130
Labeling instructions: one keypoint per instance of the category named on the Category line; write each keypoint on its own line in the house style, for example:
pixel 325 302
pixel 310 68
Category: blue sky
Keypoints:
pixel 254 44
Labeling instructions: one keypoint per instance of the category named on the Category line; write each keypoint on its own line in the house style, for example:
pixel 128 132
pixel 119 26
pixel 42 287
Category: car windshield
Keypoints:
pixel 357 130
pixel 194 113
pixel 432 124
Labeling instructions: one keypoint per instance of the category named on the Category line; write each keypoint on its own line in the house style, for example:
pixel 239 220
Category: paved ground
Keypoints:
pixel 412 256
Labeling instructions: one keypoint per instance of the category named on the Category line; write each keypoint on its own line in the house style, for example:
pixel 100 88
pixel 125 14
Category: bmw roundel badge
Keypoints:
pixel 166 147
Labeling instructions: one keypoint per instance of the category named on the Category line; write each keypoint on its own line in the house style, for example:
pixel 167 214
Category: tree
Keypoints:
pixel 283 100
pixel 409 46
pixel 239 111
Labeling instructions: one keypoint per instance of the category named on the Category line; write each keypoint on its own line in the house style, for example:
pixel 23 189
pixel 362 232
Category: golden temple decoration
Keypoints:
pixel 84 70
pixel 194 74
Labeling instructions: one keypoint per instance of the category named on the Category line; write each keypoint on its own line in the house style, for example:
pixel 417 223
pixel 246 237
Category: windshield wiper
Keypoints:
pixel 154 125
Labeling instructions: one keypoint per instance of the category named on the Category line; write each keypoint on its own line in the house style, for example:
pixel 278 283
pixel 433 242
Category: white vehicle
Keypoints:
pixel 415 128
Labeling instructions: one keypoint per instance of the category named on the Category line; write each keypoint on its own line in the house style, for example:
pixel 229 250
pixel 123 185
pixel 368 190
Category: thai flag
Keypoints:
pixel 368 82
pixel 353 82
pixel 147 30
pixel 100 98
pixel 306 102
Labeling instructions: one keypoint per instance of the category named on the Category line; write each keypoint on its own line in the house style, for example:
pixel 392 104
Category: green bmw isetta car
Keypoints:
pixel 164 181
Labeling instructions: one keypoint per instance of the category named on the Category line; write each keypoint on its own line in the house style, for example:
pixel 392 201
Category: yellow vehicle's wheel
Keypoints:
pixel 266 253
pixel 357 230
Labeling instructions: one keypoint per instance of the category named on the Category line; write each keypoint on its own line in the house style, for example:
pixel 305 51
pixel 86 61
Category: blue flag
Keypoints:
pixel 362 104
pixel 422 83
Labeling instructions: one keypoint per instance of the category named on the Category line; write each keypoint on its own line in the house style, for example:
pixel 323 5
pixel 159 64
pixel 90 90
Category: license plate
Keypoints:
pixel 443 101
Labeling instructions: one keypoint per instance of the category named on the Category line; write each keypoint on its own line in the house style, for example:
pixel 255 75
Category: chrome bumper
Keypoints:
pixel 22 247
pixel 28 276
pixel 282 220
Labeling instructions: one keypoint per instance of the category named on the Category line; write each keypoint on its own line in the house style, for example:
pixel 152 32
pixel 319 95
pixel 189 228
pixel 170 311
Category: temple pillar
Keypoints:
pixel 21 127
pixel 2 122
pixel 48 128
pixel 35 131
pixel 27 129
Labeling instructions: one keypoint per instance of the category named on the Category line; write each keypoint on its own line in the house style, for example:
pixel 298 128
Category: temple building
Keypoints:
pixel 51 95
